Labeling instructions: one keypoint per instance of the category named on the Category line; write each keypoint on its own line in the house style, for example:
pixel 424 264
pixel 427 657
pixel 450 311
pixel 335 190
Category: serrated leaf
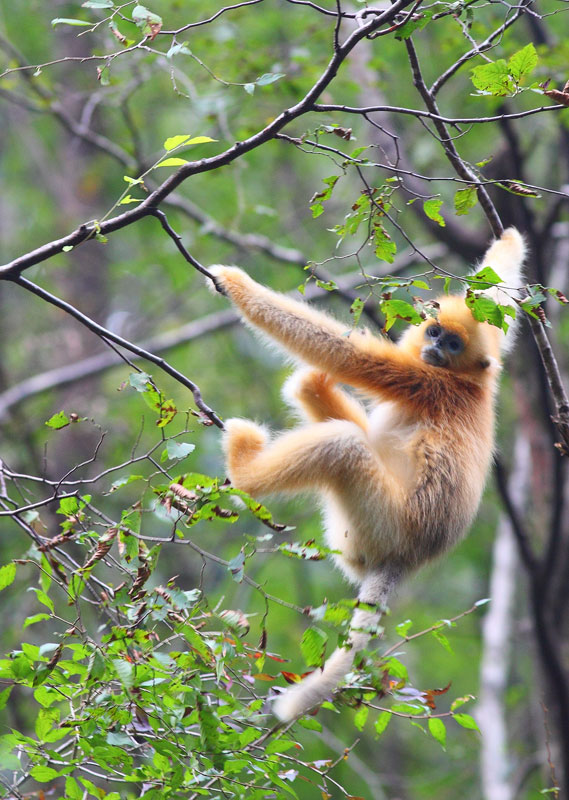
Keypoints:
pixel 57 421
pixel 395 309
pixel 523 62
pixel 432 208
pixel 313 646
pixel 493 78
pixel 485 278
pixel 437 730
pixel 464 200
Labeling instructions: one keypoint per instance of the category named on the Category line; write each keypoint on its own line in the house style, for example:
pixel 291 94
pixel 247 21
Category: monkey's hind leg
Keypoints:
pixel 242 441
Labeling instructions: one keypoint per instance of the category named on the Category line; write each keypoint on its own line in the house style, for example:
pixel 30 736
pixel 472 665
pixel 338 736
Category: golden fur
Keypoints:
pixel 401 482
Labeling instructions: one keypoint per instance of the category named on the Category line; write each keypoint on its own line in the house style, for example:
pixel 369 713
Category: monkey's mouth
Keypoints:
pixel 434 356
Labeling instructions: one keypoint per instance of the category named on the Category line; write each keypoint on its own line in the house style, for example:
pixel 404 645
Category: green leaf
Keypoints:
pixel 382 722
pixel 43 774
pixel 484 279
pixel 403 628
pixel 466 721
pixel 73 790
pixel 176 49
pixel 124 670
pixel 235 566
pixel 35 618
pixel 442 640
pixel 175 141
pixel 484 309
pixel 395 309
pixel 437 730
pixel 143 17
pixel 464 200
pixel 7 575
pixel 67 21
pixel 313 646
pixel 360 717
pixel 59 420
pixel 432 208
pixel 385 248
pixel 5 696
pixel 310 724
pixel 177 450
pixel 172 162
pixel 523 62
pixel 417 23
pixel 269 77
pixel 356 309
pixel 139 381
pixel 493 78
pixel 200 140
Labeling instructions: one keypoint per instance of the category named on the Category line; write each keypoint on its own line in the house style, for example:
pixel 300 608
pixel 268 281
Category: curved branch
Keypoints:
pixel 106 334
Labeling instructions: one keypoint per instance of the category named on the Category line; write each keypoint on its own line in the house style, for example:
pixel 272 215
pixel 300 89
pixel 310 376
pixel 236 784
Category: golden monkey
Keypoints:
pixel 400 481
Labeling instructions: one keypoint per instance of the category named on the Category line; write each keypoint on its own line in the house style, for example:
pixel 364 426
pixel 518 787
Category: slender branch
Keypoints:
pixel 561 418
pixel 105 334
pixel 448 145
pixel 416 112
pixel 485 45
pixel 87 230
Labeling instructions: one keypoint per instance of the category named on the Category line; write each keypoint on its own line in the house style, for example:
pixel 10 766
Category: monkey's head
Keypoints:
pixel 454 340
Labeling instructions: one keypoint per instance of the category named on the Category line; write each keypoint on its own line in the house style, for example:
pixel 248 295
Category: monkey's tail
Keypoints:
pixel 319 685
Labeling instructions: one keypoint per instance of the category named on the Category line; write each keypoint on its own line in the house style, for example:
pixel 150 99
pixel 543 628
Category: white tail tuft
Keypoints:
pixel 318 686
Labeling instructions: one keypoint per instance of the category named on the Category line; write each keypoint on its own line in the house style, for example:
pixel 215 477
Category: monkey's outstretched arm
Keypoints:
pixel 351 357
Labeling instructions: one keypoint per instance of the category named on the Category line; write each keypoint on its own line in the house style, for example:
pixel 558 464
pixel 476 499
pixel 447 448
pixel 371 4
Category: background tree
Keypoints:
pixel 322 146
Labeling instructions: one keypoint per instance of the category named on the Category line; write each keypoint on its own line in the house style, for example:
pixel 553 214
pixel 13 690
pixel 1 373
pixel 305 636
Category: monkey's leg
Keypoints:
pixel 320 399
pixel 332 456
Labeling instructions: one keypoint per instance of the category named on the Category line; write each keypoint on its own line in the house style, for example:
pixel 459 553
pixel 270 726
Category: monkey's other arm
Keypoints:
pixel 316 395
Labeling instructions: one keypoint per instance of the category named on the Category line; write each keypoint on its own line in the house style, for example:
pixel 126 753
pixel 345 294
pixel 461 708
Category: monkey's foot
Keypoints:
pixel 242 441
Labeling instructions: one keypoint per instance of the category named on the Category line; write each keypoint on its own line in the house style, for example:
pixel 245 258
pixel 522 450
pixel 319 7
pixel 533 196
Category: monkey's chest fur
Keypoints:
pixel 430 482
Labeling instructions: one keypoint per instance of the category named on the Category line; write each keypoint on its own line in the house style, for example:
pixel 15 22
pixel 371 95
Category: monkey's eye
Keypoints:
pixel 433 331
pixel 454 344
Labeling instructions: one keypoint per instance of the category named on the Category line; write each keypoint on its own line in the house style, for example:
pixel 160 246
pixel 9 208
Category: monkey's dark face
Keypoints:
pixel 441 346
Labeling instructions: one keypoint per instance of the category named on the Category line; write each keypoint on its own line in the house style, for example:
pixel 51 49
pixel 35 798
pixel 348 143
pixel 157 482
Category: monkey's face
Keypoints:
pixel 442 347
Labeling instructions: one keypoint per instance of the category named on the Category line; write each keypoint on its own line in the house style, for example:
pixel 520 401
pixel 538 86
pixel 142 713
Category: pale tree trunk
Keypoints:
pixel 495 764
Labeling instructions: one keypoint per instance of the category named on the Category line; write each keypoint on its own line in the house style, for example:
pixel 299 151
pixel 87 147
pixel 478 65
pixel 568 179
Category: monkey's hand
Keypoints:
pixel 233 282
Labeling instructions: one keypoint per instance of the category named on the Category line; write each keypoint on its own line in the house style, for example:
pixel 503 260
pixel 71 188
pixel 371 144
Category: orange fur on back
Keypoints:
pixel 401 481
